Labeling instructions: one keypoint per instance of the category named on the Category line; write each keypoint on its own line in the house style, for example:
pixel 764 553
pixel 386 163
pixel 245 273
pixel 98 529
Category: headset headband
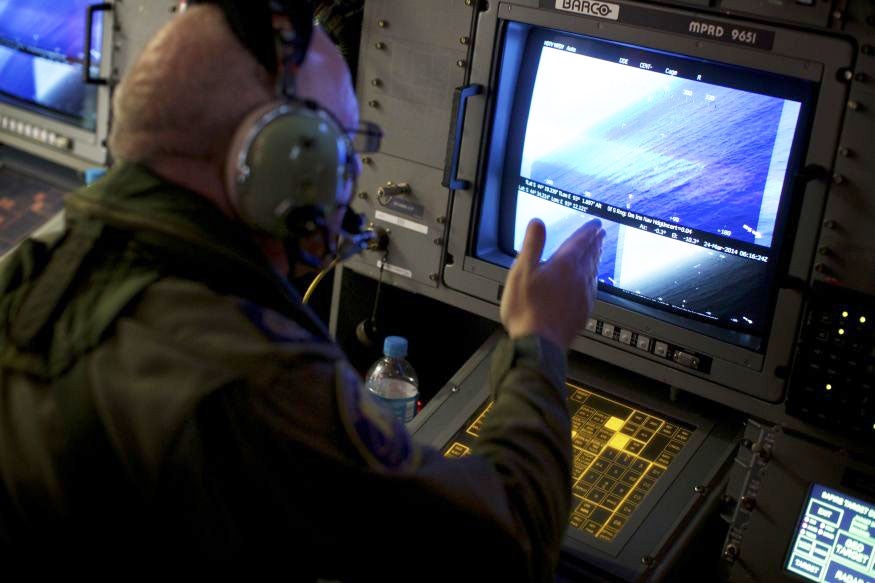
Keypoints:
pixel 253 23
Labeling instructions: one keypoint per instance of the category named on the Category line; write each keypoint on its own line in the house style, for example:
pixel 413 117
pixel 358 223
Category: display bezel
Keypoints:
pixel 87 147
pixel 517 108
pixel 800 54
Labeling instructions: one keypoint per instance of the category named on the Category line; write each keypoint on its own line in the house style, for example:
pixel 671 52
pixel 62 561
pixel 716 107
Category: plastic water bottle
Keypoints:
pixel 393 381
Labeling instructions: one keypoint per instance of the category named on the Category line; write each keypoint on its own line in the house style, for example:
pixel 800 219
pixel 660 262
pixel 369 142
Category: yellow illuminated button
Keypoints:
pixel 841 331
pixel 828 387
pixel 845 314
pixel 862 319
pixel 619 441
pixel 614 423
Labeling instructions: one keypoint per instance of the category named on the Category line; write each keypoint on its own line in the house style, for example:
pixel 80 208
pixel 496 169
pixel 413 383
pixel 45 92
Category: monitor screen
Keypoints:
pixel 688 164
pixel 42 54
pixel 834 540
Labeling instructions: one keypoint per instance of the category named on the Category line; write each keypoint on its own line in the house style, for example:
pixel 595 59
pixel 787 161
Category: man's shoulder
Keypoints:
pixel 189 315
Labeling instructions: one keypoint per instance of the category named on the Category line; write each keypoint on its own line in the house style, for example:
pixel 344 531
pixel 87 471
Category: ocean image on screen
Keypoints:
pixel 691 155
pixel 42 44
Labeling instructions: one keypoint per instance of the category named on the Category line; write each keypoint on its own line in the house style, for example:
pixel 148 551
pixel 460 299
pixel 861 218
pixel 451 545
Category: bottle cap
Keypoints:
pixel 395 346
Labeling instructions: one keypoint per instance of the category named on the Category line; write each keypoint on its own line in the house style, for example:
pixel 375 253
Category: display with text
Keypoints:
pixel 688 164
pixel 835 539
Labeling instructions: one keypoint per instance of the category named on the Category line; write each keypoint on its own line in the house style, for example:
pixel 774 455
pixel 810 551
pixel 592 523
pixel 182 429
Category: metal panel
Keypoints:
pixel 409 67
pixel 415 247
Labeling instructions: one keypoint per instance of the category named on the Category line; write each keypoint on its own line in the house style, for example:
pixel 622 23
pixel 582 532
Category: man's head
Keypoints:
pixel 180 106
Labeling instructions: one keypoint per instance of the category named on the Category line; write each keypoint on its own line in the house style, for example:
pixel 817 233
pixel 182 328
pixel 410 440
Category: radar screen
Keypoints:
pixel 25 204
pixel 620 453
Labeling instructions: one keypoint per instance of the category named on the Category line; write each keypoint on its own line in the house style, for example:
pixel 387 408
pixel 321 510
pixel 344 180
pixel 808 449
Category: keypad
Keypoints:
pixel 620 453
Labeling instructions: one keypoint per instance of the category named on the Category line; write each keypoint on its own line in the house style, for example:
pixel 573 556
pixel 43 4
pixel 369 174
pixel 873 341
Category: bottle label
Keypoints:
pixel 399 396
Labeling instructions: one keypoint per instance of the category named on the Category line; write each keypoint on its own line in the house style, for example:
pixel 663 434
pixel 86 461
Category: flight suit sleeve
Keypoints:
pixel 515 485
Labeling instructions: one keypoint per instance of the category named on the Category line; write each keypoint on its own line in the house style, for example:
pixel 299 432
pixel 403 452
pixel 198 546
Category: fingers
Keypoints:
pixel 533 245
pixel 580 242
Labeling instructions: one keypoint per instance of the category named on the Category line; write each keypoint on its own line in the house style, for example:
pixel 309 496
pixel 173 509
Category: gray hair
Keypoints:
pixel 187 93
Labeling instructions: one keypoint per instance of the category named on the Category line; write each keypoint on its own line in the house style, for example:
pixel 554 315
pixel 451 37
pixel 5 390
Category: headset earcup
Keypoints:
pixel 285 155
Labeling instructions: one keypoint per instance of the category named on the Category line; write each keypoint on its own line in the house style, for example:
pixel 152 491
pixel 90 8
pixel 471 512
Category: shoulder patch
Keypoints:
pixel 276 327
pixel 380 437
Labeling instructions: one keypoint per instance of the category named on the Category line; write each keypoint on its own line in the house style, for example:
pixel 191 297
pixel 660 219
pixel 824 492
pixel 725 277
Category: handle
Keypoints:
pixel 454 143
pixel 89 28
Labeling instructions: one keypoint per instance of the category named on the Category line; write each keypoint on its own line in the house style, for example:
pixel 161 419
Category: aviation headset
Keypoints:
pixel 290 160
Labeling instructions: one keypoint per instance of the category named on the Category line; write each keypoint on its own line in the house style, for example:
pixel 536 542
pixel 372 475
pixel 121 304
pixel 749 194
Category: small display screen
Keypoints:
pixel 688 164
pixel 42 55
pixel 620 454
pixel 834 541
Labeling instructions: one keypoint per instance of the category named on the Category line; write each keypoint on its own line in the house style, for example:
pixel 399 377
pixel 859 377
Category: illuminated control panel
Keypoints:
pixel 833 378
pixel 25 204
pixel 620 453
pixel 835 538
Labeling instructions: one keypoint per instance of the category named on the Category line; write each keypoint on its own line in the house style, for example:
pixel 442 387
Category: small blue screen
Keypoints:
pixel 42 55
pixel 835 539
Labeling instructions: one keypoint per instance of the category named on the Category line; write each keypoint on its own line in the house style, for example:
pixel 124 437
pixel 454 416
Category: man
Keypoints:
pixel 164 394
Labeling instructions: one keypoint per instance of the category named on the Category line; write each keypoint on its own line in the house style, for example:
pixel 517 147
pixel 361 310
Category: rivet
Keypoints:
pixel 377 82
pixel 845 152
pixel 838 179
pixel 434 277
pixel 830 224
pixel 363 195
pixel 464 40
pixel 441 220
pixel 383 23
pixel 379 45
pixel 374 103
pixel 461 63
pixel 367 160
pixel 854 105
pixel 439 241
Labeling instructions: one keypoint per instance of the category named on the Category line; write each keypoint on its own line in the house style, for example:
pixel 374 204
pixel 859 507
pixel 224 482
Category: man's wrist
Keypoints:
pixel 530 351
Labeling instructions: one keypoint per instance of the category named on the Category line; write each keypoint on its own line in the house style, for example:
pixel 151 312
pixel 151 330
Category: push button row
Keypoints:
pixel 35 133
pixel 647 344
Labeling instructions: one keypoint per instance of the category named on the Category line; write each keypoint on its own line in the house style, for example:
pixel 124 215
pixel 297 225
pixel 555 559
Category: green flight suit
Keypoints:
pixel 163 393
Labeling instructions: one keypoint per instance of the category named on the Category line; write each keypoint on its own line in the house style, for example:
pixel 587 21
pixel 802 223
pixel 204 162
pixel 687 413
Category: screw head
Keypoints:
pixel 434 277
pixel 379 45
pixel 461 63
pixel 374 103
pixel 441 220
pixel 647 560
pixel 464 40
pixel 367 160
pixel 383 23
pixel 838 179
pixel 377 82
pixel 363 195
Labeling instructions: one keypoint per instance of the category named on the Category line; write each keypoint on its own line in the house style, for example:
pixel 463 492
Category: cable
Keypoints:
pixel 318 279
